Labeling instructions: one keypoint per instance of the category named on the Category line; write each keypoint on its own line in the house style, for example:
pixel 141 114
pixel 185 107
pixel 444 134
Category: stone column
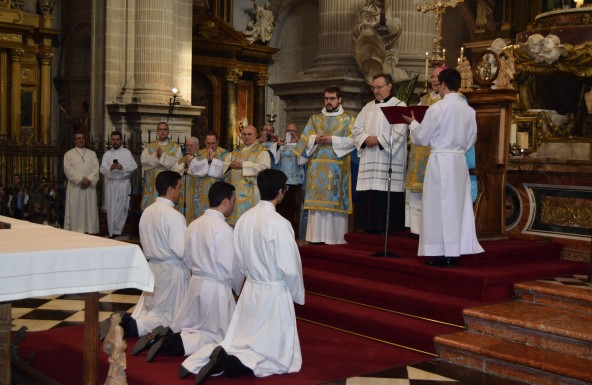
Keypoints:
pixel 335 52
pixel 4 126
pixel 153 51
pixel 259 100
pixel 15 93
pixel 228 134
pixel 417 35
pixel 334 64
pixel 45 59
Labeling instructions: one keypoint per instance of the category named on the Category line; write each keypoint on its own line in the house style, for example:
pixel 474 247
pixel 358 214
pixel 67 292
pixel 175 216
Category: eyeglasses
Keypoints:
pixel 331 98
pixel 374 88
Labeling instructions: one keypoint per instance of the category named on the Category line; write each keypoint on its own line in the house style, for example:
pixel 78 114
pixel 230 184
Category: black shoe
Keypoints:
pixel 105 324
pixel 442 262
pixel 160 345
pixel 182 372
pixel 234 368
pixel 214 366
pixel 148 340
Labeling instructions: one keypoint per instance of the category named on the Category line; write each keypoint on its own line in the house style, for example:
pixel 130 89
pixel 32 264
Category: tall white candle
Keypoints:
pixel 512 133
pixel 462 51
pixel 426 66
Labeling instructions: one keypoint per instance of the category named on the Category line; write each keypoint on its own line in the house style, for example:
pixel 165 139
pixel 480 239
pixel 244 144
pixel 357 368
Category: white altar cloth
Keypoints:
pixel 38 260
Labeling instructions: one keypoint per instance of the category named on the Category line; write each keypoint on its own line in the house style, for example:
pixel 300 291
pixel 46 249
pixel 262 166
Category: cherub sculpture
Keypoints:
pixel 506 73
pixel 114 345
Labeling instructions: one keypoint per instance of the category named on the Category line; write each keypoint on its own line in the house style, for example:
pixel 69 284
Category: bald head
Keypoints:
pixel 248 135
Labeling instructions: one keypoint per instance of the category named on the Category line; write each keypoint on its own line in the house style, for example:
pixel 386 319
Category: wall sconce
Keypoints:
pixel 173 101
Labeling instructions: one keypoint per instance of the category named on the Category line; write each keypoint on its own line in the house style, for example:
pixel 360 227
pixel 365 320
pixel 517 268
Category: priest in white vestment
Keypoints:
pixel 117 166
pixel 81 168
pixel 373 135
pixel 326 142
pixel 262 338
pixel 207 308
pixel 450 129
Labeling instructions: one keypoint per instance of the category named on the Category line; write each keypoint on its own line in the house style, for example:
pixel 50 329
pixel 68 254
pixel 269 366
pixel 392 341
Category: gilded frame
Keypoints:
pixel 528 124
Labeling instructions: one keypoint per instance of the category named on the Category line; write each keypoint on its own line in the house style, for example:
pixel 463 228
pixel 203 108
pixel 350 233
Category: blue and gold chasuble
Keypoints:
pixel 328 177
pixel 244 185
pixel 149 192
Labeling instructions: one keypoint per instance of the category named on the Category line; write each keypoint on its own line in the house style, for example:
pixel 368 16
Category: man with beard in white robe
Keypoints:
pixel 117 166
pixel 262 338
pixel 450 129
pixel 162 234
pixel 81 167
pixel 372 134
pixel 207 308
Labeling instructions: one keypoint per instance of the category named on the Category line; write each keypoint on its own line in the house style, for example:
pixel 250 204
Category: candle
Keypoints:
pixel 426 67
pixel 522 139
pixel 512 133
pixel 444 55
pixel 462 51
pixel 272 105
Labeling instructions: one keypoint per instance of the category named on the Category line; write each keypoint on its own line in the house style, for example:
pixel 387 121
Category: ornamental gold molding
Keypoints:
pixel 11 37
pixel 574 212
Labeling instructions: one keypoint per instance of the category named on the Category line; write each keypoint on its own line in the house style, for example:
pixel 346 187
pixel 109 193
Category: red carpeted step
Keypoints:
pixel 415 302
pixel 386 326
pixel 493 283
pixel 499 252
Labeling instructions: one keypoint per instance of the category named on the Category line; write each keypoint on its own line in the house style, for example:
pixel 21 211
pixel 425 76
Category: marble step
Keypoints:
pixel 562 296
pixel 531 324
pixel 529 364
pixel 555 329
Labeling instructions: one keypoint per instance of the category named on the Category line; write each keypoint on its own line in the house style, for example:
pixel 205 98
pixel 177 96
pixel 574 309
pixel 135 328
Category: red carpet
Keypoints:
pixel 328 355
pixel 405 302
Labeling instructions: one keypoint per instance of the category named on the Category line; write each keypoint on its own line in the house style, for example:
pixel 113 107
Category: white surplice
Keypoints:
pixel 374 162
pixel 448 223
pixel 162 234
pixel 262 333
pixel 207 308
pixel 81 203
pixel 117 187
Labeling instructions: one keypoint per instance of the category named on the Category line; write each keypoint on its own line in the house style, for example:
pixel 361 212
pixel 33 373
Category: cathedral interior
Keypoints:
pixel 207 65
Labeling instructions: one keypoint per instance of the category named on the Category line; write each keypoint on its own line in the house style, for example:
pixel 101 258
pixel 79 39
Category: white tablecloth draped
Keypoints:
pixel 37 260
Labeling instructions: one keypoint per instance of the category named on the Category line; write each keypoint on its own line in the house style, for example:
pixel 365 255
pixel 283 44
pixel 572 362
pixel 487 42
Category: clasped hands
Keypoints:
pixel 85 182
pixel 323 139
pixel 236 165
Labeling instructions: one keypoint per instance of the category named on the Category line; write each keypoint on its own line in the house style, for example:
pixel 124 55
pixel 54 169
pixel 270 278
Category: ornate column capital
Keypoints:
pixel 46 7
pixel 16 54
pixel 261 79
pixel 232 75
pixel 45 58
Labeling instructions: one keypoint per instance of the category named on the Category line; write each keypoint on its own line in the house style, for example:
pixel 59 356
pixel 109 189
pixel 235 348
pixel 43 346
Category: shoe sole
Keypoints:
pixel 144 341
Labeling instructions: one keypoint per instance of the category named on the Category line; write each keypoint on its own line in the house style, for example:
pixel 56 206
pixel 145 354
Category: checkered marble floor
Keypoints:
pixel 44 313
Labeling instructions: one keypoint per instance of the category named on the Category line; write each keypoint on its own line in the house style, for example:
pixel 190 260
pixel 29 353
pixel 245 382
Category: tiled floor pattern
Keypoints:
pixel 44 313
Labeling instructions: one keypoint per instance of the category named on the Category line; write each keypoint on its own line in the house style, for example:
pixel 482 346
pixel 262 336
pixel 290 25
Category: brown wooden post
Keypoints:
pixel 494 114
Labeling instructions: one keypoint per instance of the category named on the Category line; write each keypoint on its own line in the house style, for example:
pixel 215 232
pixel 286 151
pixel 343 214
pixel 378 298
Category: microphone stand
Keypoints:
pixel 385 252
